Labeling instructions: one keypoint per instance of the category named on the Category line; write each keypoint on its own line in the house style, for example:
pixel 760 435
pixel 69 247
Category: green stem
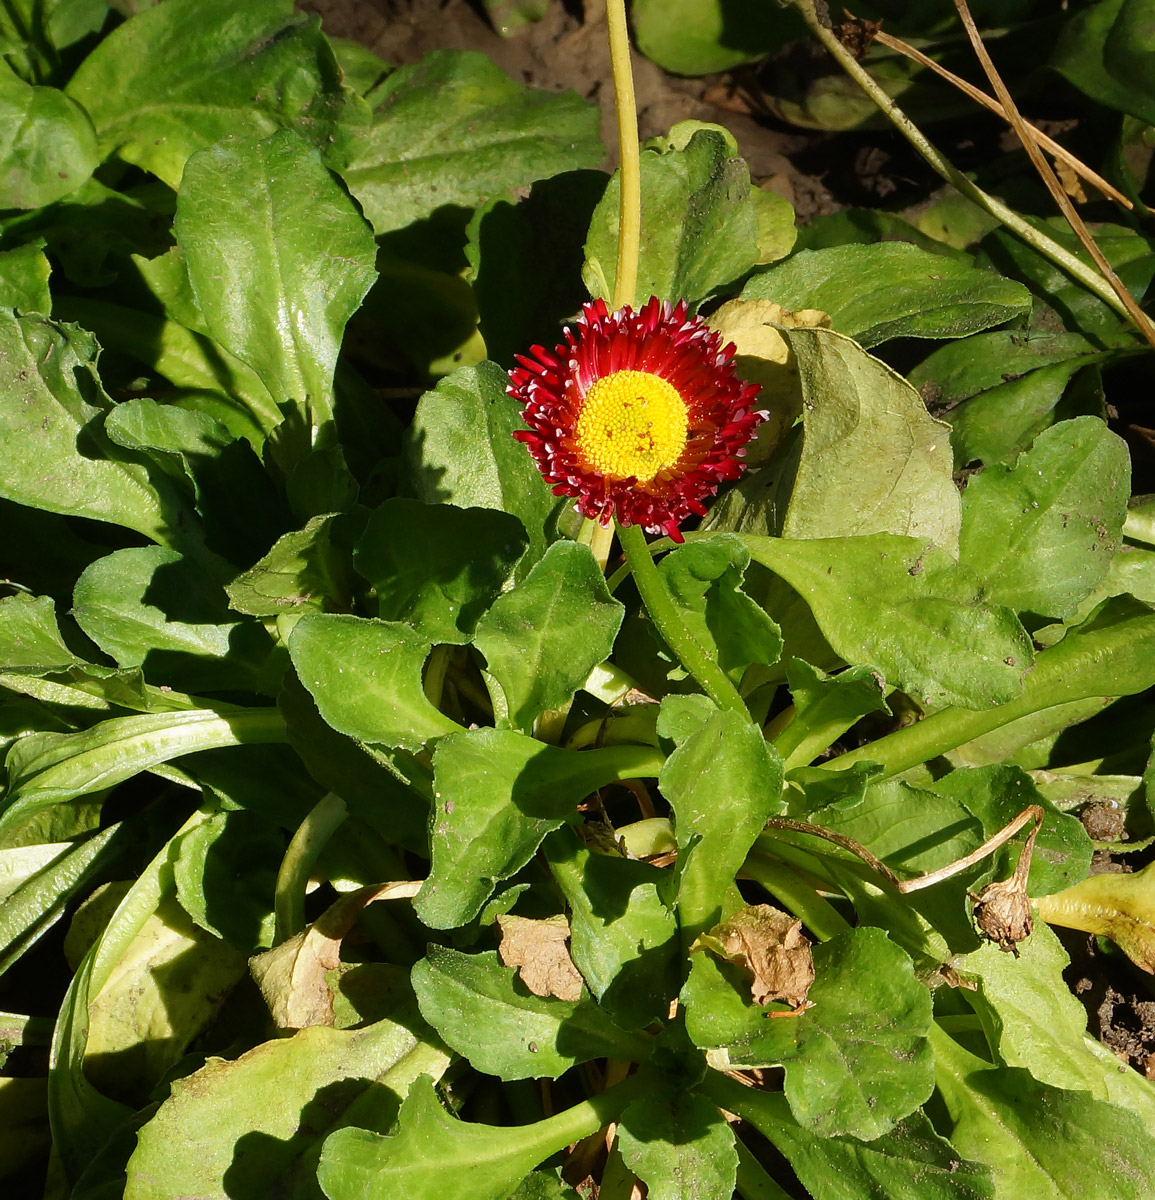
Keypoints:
pixel 690 653
pixel 753 1183
pixel 786 886
pixel 307 843
pixel 630 179
pixel 1039 241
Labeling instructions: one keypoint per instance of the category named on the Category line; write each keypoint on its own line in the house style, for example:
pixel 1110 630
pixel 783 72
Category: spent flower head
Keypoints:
pixel 637 415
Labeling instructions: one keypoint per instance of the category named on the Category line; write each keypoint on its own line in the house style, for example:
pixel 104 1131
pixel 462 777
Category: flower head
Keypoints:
pixel 637 415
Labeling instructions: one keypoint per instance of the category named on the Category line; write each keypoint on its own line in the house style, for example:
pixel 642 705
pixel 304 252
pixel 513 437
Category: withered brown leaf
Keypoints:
pixel 538 949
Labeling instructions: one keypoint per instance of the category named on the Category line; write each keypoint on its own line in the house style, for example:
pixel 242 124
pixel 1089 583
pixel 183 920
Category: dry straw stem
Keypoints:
pixel 1138 317
pixel 980 97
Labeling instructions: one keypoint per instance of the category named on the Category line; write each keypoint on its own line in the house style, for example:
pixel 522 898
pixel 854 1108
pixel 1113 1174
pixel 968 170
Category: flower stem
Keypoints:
pixel 690 652
pixel 630 180
pixel 1034 238
pixel 304 849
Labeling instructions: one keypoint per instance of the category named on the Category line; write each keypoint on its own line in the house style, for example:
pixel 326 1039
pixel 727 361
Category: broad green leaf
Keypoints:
pixel 303 570
pixel 47 143
pixel 47 768
pixel 24 272
pixel 908 609
pixel 1105 51
pixel 437 567
pixel 508 16
pixel 38 900
pixel 1042 533
pixel 705 582
pixel 162 992
pixel 239 505
pixel 279 259
pixel 365 676
pixel 432 1153
pixel 622 934
pixel 455 129
pixel 699 225
pixel 1032 1020
pixel 1041 1141
pixel 543 638
pixel 699 37
pixel 461 451
pixel 153 609
pixel 182 75
pixel 226 873
pixel 844 1168
pixel 56 454
pixel 856 1062
pixel 483 1012
pixel 825 707
pixel 238 1128
pixel 497 794
pixel 30 641
pixel 870 459
pixel 680 1146
pixel 722 783
pixel 890 290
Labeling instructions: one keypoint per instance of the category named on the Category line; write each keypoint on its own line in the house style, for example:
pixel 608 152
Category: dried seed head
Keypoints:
pixel 1003 913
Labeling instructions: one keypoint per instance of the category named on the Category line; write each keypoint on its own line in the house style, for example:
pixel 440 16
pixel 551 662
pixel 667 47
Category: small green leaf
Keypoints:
pixel 30 641
pixel 701 230
pixel 182 75
pixel 699 37
pixel 542 639
pixel 1042 533
pixel 1104 50
pixel 47 143
pixel 680 1146
pixel 909 610
pixel 722 782
pixel 24 272
pixel 482 1011
pixel 461 452
pixel 365 676
pixel 279 259
pixel 303 570
pixel 891 289
pixel 705 582
pixel 455 129
pixel 437 567
pixel 498 793
pixel 825 707
pixel 237 1128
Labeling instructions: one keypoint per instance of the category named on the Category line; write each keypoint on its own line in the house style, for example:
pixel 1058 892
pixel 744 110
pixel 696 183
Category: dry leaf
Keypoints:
pixel 770 945
pixel 538 950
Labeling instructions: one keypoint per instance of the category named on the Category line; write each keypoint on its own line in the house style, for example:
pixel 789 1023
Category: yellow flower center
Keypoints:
pixel 632 423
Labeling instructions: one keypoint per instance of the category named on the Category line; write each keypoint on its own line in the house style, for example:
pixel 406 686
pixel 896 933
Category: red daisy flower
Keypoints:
pixel 637 415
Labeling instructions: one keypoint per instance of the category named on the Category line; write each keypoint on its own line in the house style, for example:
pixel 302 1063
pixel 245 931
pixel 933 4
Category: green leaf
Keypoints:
pixel 279 259
pixel 1040 1141
pixel 680 1146
pixel 699 37
pixel 1105 51
pixel 825 707
pixel 461 451
pixel 56 454
pixel 909 610
pixel 543 638
pixel 437 567
pixel 870 459
pixel 482 1011
pixel 498 793
pixel 622 933
pixel 1042 533
pixel 699 225
pixel 705 582
pixel 432 1152
pixel 24 272
pixel 890 290
pixel 47 768
pixel 722 783
pixel 303 570
pixel 47 143
pixel 238 1128
pixel 1033 1021
pixel 153 609
pixel 30 641
pixel 365 676
pixel 454 129
pixel 182 75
